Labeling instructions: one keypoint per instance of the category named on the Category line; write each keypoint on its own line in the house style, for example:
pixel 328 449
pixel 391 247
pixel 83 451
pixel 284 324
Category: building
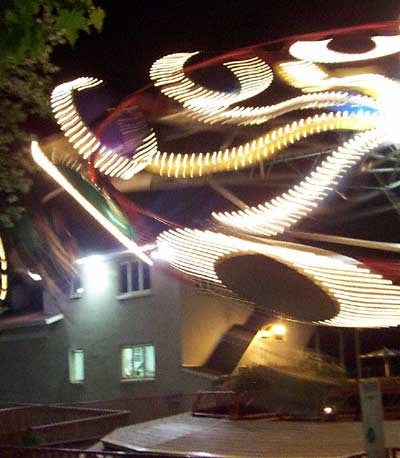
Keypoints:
pixel 129 330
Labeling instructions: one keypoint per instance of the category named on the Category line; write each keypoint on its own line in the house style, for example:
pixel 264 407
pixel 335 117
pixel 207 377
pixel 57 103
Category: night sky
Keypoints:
pixel 135 36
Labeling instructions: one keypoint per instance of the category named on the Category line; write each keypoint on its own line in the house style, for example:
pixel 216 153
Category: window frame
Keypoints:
pixel 76 279
pixel 134 379
pixel 71 369
pixel 141 266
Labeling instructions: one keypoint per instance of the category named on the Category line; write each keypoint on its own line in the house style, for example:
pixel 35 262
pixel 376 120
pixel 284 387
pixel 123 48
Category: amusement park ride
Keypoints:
pixel 327 99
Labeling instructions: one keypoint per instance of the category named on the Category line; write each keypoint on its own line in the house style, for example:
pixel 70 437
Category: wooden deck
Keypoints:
pixel 246 438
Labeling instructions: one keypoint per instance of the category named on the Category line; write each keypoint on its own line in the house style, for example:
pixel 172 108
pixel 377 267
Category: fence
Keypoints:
pixel 56 424
pixel 7 451
pixel 145 408
pixel 36 424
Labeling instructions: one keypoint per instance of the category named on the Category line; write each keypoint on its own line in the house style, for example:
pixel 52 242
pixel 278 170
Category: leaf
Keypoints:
pixel 12 198
pixel 72 21
pixel 97 18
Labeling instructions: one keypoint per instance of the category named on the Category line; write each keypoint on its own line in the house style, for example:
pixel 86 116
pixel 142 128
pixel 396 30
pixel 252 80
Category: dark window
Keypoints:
pixel 146 277
pixel 134 276
pixel 123 278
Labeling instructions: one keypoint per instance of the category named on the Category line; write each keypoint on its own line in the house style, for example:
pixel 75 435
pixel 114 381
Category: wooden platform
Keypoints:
pixel 246 438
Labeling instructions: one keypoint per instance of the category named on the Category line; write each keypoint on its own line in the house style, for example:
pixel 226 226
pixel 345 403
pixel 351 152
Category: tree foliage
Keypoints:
pixel 30 30
pixel 28 27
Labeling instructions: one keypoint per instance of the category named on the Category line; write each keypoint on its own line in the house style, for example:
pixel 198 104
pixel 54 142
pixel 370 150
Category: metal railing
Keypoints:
pixel 144 408
pixel 50 425
pixel 7 451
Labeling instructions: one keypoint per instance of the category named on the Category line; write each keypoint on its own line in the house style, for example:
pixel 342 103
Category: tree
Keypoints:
pixel 30 30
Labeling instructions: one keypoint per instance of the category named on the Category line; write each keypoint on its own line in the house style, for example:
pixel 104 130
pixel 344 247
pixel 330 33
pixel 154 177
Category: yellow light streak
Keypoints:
pixel 86 143
pixel 41 159
pixel 284 211
pixel 264 147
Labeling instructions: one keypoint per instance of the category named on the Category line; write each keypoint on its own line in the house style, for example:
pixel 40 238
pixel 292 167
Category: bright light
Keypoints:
pixel 163 253
pixel 96 273
pixel 278 329
pixel 79 290
pixel 92 259
pixel 263 334
pixel 389 106
pixel 34 276
pixel 156 255
pixel 328 410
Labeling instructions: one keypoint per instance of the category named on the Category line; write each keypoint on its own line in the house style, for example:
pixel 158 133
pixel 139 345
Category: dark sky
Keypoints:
pixel 136 33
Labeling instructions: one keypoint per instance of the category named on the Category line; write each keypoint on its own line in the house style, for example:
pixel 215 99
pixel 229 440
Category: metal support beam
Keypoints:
pixel 227 194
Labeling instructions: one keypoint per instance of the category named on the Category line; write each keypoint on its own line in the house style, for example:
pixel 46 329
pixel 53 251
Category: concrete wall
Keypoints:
pixel 205 318
pixel 271 351
pixel 34 361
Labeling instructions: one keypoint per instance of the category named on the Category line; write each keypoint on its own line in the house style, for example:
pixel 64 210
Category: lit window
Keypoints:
pixel 134 276
pixel 138 362
pixel 76 363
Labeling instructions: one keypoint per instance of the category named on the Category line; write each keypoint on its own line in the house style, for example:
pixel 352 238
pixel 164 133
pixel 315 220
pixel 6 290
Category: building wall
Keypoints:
pixel 205 318
pixel 35 360
pixel 275 352
pixel 184 323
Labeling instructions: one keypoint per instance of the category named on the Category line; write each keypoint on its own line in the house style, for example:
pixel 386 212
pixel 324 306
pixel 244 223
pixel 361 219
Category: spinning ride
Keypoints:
pixel 338 81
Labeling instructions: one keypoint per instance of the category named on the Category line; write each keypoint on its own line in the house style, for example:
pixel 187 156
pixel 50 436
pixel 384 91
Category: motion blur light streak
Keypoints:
pixel 197 164
pixel 286 210
pixel 253 75
pixel 318 51
pixel 375 304
pixel 86 143
pixel 41 159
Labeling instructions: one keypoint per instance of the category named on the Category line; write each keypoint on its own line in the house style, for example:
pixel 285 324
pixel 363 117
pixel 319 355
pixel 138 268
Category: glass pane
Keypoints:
pixel 138 362
pixel 134 276
pixel 146 276
pixel 126 362
pixel 123 278
pixel 150 359
pixel 77 366
pixel 75 286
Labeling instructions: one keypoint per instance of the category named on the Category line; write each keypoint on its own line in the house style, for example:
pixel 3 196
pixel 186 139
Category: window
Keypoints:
pixel 75 287
pixel 76 363
pixel 134 277
pixel 138 362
